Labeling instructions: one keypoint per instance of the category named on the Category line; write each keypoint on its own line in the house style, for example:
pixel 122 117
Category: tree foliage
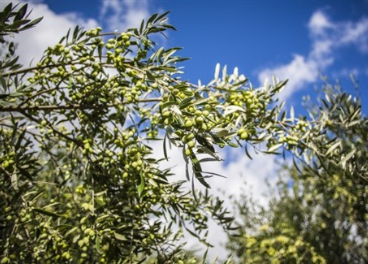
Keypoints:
pixel 79 179
pixel 320 213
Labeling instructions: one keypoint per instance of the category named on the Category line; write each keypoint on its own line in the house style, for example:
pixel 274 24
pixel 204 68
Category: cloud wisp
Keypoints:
pixel 114 15
pixel 120 15
pixel 241 175
pixel 327 37
pixel 33 42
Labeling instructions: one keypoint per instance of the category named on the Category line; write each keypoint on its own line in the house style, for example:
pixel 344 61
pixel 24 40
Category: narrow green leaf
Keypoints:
pixel 333 147
pixel 246 152
pixel 347 157
pixel 150 76
pixel 152 18
pixel 141 27
pixel 45 212
pixel 162 16
pixel 120 236
pixel 140 187
pixel 14 181
pixel 32 23
pixel 164 145
pixel 292 115
pixel 274 147
pixel 186 102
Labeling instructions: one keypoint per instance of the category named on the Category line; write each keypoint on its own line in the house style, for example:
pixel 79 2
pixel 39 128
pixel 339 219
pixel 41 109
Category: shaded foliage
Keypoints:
pixel 79 179
pixel 320 212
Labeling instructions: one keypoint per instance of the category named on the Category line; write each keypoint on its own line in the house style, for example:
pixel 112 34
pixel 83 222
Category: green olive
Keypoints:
pixel 191 144
pixel 188 124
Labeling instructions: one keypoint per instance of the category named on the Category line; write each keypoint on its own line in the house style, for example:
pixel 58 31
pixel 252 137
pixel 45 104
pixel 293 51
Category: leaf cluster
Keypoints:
pixel 319 214
pixel 80 179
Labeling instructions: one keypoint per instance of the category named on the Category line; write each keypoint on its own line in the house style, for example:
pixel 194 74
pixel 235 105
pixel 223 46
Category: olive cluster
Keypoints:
pixel 253 103
pixel 125 137
pixel 248 99
pixel 59 50
pixel 290 140
pixel 43 128
pixel 193 120
pixel 87 149
pixel 293 137
pixel 119 46
pixel 245 133
pixel 10 214
pixel 133 160
pixel 236 98
pixel 8 161
pixel 152 132
pixel 121 42
pixel 26 214
pixel 77 59
pixel 94 32
pixel 302 126
pixel 84 240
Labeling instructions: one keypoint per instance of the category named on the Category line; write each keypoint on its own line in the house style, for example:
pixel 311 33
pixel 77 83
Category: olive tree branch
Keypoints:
pixel 71 106
pixel 75 141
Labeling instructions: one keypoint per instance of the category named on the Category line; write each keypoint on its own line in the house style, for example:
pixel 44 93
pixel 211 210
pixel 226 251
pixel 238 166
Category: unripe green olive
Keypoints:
pixel 244 135
pixel 166 114
pixel 191 144
pixel 190 136
pixel 241 130
pixel 188 152
pixel 66 255
pixel 188 124
pixel 5 260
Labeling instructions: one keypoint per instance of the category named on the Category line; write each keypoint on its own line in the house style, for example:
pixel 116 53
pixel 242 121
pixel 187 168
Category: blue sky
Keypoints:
pixel 293 39
pixel 262 38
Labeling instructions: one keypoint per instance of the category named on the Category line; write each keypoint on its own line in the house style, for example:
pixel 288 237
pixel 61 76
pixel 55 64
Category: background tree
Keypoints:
pixel 319 214
pixel 79 181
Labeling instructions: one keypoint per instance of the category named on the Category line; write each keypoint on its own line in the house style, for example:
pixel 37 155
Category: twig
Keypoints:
pixel 71 106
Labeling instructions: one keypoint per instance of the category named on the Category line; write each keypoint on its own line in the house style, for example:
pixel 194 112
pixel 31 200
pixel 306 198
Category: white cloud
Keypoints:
pixel 123 14
pixel 357 34
pixel 115 15
pixel 319 23
pixel 239 169
pixel 299 72
pixel 346 72
pixel 48 32
pixel 327 37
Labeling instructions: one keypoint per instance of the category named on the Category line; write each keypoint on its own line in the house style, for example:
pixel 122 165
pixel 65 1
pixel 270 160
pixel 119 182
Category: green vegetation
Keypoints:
pixel 80 182
pixel 323 217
